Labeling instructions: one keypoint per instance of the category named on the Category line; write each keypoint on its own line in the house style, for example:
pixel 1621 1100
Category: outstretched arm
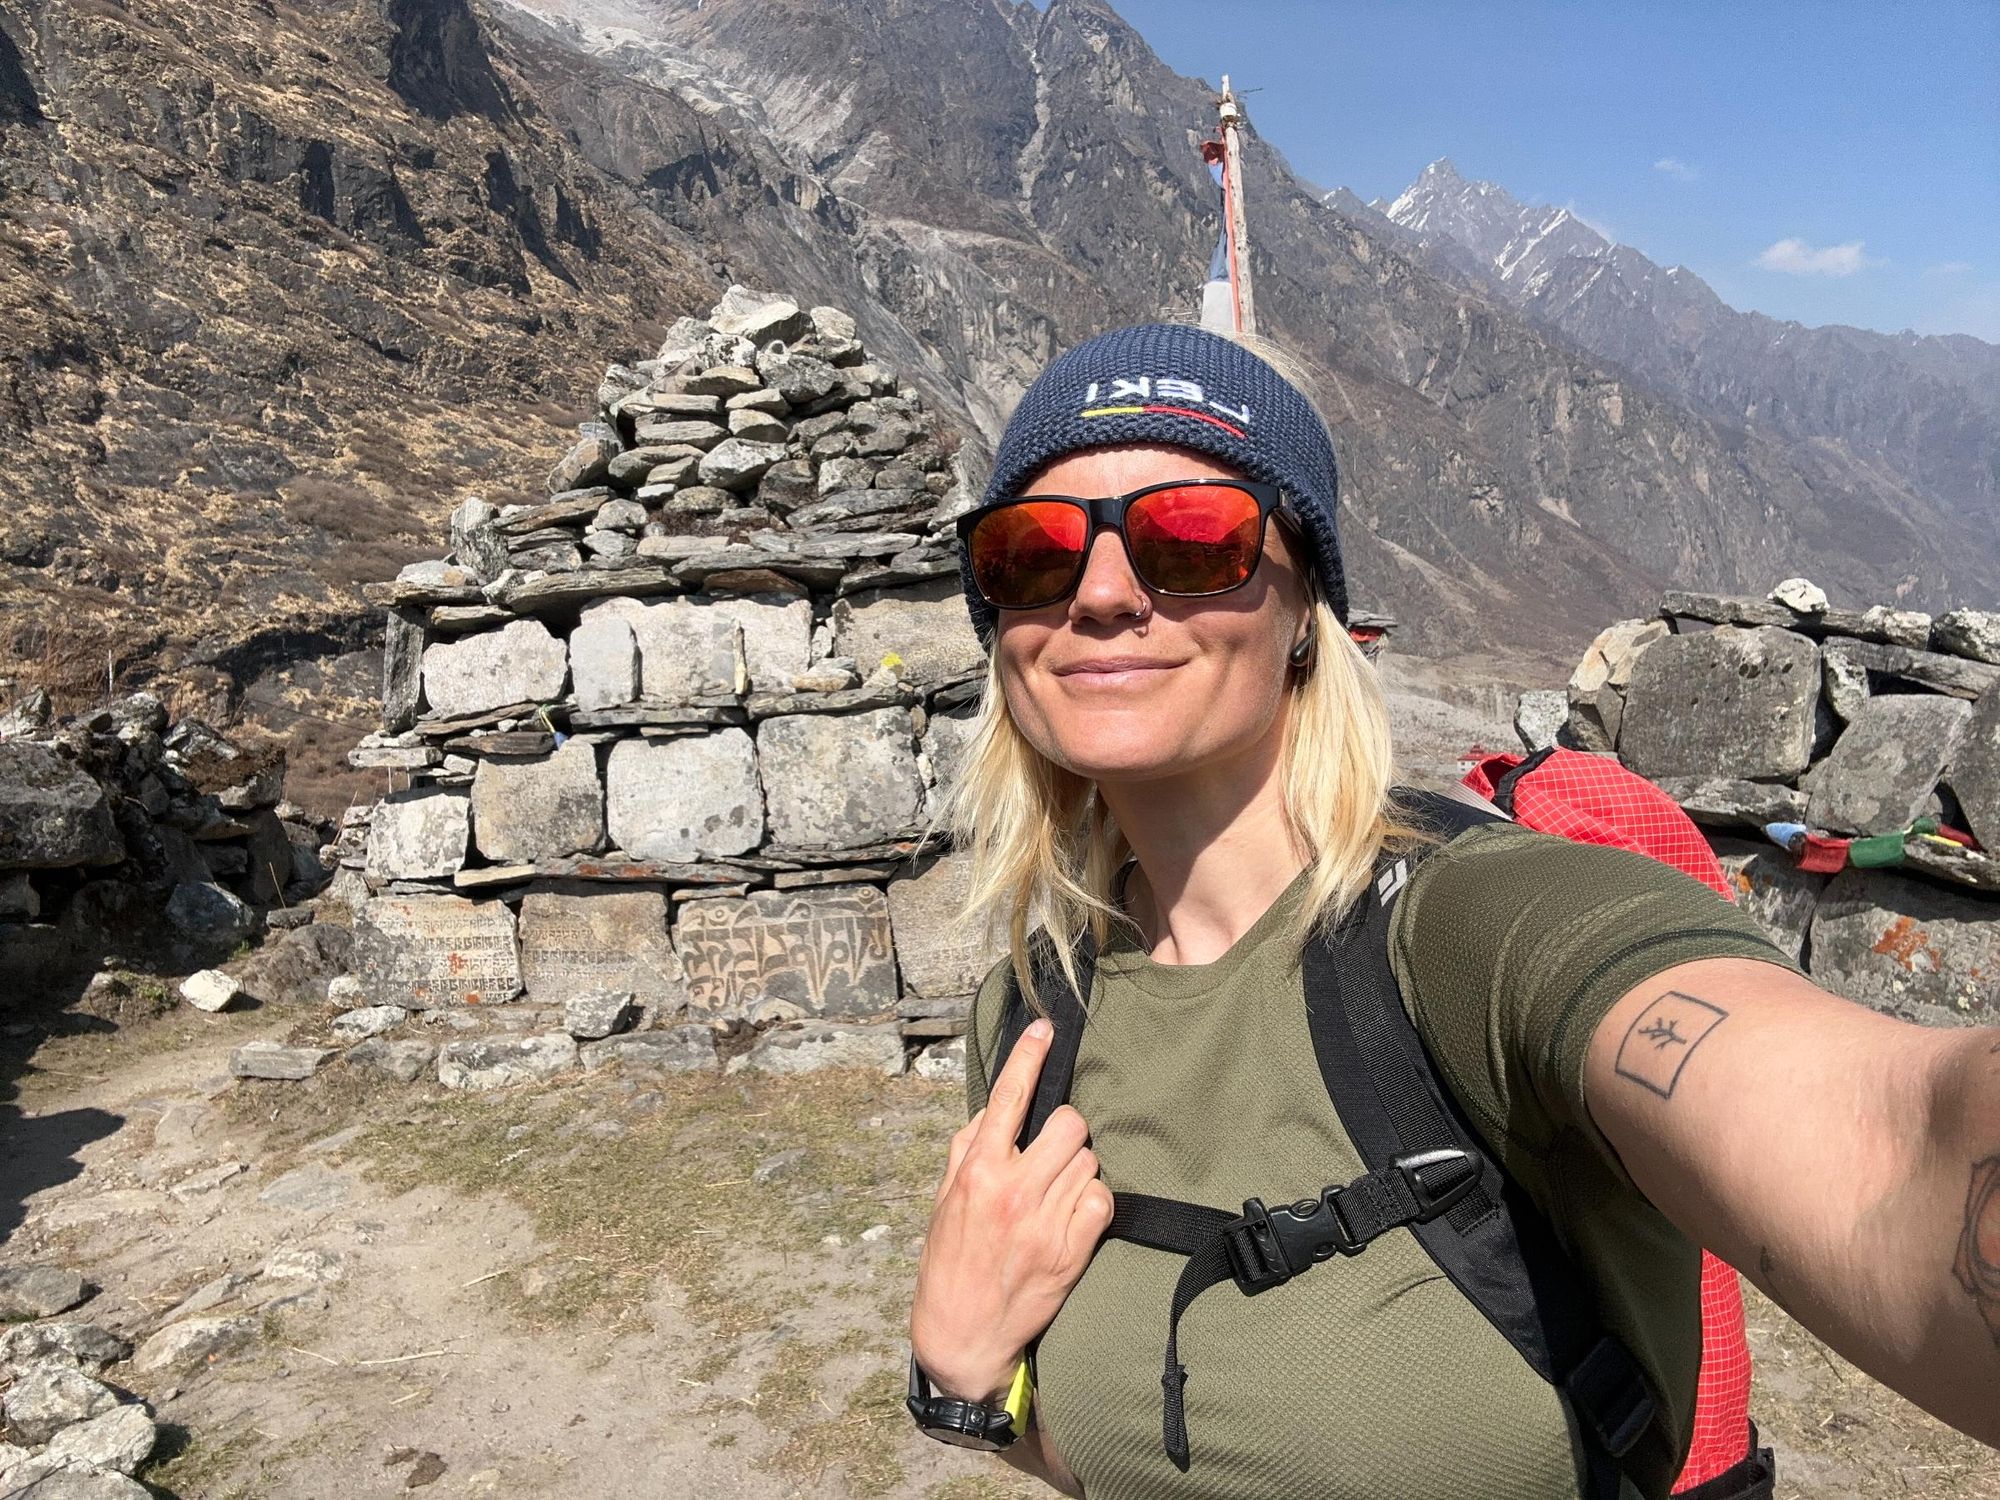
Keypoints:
pixel 1848 1163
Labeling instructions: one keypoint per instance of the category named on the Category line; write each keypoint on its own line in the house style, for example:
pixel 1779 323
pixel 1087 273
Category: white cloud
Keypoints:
pixel 1796 258
pixel 1950 268
pixel 1673 166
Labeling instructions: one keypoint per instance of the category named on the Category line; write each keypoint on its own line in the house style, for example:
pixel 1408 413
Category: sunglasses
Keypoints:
pixel 1188 538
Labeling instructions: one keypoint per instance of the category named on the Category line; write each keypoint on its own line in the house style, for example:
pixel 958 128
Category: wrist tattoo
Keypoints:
pixel 1663 1038
pixel 1977 1265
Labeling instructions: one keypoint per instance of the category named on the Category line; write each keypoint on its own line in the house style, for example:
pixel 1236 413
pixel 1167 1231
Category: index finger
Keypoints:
pixel 1007 1103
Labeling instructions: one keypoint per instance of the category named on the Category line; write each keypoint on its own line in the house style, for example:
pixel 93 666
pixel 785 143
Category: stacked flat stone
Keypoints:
pixel 1851 722
pixel 673 736
pixel 124 831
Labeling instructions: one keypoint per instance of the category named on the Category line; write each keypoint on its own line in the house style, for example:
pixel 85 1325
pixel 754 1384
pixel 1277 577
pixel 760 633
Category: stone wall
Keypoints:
pixel 123 834
pixel 665 743
pixel 1846 764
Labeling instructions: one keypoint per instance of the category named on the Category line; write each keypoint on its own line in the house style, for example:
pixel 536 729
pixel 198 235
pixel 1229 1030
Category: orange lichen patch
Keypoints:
pixel 1741 880
pixel 1903 941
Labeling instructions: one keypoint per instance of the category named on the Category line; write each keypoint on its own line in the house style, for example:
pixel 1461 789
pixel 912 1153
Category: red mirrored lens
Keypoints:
pixel 1194 539
pixel 1027 555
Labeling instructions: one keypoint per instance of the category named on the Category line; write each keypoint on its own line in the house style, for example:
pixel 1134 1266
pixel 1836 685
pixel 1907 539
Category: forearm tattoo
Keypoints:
pixel 1977 1266
pixel 1663 1038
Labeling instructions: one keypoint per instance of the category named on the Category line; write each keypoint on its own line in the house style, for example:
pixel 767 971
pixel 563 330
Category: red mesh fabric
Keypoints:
pixel 1594 800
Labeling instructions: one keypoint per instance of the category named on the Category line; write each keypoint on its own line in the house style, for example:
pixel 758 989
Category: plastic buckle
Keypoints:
pixel 1432 1196
pixel 1268 1246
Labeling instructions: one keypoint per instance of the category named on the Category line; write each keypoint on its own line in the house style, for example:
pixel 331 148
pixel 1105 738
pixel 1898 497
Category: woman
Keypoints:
pixel 1182 755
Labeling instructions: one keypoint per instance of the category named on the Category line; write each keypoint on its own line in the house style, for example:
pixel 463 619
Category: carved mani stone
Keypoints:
pixel 781 955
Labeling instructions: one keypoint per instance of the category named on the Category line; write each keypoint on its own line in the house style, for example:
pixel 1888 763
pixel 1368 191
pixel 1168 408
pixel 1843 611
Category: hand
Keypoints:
pixel 1011 1233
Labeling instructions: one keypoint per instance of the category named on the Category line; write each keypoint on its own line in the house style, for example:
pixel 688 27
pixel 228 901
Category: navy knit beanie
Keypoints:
pixel 1179 384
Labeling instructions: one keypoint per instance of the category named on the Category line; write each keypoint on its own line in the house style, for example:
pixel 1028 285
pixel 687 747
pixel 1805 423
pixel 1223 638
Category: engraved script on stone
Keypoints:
pixel 430 951
pixel 573 941
pixel 786 954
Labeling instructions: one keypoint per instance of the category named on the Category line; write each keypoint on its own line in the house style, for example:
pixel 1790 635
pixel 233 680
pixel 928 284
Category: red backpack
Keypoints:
pixel 1592 799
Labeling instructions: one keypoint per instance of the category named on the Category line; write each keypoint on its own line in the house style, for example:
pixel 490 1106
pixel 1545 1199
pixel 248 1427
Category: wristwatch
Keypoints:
pixel 969 1424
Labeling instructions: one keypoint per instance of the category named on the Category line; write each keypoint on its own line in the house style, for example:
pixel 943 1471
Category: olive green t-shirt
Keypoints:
pixel 1370 1377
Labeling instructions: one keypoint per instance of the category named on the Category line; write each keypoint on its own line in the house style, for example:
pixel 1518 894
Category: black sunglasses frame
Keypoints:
pixel 1109 511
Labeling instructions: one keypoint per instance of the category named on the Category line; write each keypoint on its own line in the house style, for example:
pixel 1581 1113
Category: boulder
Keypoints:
pixel 420 834
pixel 739 463
pixel 685 799
pixel 686 651
pixel 83 1346
pixel 1724 801
pixel 939 955
pixel 654 463
pixel 18 899
pixel 579 937
pixel 942 1062
pixel 619 515
pixel 39 1291
pixel 402 669
pixel 786 486
pixel 725 380
pixel 674 1049
pixel 1770 886
pixel 365 1021
pixel 947 736
pixel 118 1440
pixel 1968 632
pixel 52 815
pixel 926 626
pixel 190 1344
pixel 587 463
pixel 427 951
pixel 477 542
pixel 210 990
pixel 800 378
pixel 597 1013
pixel 756 426
pixel 683 342
pixel 758 316
pixel 604 656
pixel 541 808
pixel 501 1062
pixel 1732 702
pixel 1801 596
pixel 816 1046
pixel 776 635
pixel 70 1483
pixel 1975 771
pixel 832 325
pixel 209 914
pixel 51 1397
pixel 403 1059
pixel 1538 715
pixel 688 432
pixel 520 663
pixel 274 1060
pixel 1908 947
pixel 1886 765
pixel 838 780
pixel 1846 682
pixel 1959 676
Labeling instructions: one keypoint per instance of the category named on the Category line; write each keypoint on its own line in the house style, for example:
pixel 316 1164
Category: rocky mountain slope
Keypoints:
pixel 282 282
pixel 1926 409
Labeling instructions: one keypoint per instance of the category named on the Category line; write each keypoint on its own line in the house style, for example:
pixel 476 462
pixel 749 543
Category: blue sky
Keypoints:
pixel 1835 162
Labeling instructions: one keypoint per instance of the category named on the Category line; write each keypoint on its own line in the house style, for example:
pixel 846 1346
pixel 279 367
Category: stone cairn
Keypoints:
pixel 1846 765
pixel 674 735
pixel 123 832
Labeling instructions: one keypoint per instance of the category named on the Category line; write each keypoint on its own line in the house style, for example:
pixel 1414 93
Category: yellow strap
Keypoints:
pixel 1021 1397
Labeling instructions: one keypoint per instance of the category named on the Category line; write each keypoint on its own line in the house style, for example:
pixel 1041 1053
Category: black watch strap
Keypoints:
pixel 949 1419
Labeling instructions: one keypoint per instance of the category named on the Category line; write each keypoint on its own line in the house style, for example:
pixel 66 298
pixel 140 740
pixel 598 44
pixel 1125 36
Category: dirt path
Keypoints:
pixel 661 1285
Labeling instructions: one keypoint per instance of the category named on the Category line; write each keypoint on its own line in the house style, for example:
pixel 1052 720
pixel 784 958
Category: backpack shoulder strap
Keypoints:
pixel 1494 1245
pixel 1067 1013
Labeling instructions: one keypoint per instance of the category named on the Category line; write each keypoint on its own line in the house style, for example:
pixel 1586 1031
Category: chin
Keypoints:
pixel 1134 751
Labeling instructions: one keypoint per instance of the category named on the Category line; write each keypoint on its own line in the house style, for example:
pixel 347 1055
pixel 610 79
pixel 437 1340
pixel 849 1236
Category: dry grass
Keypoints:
pixel 629 1186
pixel 77 660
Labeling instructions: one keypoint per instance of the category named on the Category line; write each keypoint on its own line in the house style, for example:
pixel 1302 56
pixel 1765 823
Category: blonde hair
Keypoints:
pixel 1045 849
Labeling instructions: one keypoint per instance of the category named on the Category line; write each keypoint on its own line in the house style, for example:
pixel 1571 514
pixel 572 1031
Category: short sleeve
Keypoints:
pixel 1510 946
